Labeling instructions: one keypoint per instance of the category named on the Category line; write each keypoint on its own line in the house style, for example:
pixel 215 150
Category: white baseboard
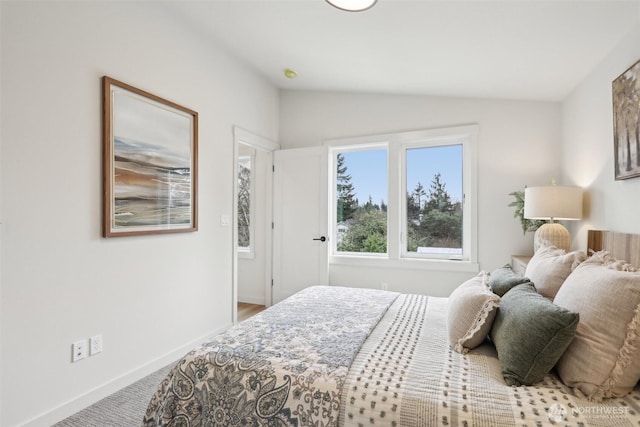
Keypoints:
pixel 84 400
pixel 251 300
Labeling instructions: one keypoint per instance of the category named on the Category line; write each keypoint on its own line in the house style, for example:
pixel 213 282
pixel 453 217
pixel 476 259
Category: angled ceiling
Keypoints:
pixel 510 49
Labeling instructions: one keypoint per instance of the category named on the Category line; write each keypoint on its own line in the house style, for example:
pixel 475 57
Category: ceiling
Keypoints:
pixel 509 49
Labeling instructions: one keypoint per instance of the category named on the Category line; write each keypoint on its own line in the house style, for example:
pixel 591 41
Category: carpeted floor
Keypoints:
pixel 124 408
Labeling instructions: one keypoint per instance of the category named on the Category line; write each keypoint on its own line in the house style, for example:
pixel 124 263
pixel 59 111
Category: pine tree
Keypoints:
pixel 439 199
pixel 369 206
pixel 414 204
pixel 347 203
pixel 419 193
pixel 441 222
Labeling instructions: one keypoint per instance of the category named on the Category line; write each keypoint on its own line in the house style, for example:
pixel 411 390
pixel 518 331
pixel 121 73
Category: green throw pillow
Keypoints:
pixel 530 334
pixel 504 278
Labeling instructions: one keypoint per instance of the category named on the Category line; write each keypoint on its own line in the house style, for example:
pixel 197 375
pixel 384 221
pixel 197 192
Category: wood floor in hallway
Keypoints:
pixel 246 310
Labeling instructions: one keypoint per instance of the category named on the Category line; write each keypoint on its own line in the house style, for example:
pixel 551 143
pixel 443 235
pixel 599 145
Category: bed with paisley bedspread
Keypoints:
pixel 335 356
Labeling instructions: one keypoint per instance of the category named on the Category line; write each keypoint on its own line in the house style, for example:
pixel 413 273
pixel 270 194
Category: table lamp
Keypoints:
pixel 553 202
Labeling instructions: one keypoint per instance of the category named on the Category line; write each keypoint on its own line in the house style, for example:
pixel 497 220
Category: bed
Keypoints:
pixel 324 357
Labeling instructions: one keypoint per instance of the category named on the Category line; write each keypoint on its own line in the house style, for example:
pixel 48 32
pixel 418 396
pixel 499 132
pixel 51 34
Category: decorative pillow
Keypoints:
pixel 470 313
pixel 550 266
pixel 504 278
pixel 604 359
pixel 530 334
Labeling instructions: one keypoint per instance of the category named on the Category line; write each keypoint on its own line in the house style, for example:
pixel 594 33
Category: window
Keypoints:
pixel 245 203
pixel 405 196
pixel 433 209
pixel 361 194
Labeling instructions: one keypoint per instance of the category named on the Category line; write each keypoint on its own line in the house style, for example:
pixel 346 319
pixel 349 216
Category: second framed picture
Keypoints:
pixel 150 149
pixel 626 123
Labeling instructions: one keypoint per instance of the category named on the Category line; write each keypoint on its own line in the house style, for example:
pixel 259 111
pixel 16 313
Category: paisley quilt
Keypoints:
pixel 283 367
pixel 331 356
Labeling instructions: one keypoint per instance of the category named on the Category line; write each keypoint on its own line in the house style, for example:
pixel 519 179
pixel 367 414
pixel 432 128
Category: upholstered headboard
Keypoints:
pixel 622 246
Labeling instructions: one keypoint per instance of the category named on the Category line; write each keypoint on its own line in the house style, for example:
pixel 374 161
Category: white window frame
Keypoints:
pixel 466 240
pixel 397 144
pixel 333 214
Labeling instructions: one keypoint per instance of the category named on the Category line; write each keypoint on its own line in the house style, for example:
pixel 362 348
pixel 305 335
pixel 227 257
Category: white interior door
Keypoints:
pixel 300 238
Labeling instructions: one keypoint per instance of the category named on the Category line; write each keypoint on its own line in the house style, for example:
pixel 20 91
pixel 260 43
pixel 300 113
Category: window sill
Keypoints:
pixel 406 263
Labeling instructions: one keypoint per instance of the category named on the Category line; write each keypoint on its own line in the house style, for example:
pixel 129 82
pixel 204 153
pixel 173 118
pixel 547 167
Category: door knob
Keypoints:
pixel 321 238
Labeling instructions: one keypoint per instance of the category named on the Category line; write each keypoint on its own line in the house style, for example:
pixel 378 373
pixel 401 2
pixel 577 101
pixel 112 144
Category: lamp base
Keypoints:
pixel 552 234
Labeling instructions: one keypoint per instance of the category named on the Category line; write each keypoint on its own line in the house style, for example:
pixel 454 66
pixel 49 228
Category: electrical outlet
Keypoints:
pixel 79 350
pixel 95 342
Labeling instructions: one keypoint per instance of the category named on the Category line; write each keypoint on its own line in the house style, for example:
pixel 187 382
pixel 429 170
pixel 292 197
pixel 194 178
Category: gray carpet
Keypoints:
pixel 124 408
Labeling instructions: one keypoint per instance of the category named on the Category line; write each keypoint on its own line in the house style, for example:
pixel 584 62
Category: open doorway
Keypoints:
pixel 252 221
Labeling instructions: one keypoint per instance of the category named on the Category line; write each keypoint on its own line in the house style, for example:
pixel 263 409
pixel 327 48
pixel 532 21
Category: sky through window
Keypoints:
pixel 368 170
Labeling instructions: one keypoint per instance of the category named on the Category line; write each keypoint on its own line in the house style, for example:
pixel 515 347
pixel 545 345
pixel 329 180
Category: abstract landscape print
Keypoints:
pixel 626 123
pixel 150 163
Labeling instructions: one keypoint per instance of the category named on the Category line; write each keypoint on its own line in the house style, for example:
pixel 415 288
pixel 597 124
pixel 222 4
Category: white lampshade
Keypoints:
pixel 352 5
pixel 552 203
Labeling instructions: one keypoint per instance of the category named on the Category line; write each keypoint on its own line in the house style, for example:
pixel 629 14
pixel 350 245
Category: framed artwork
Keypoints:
pixel 150 149
pixel 626 123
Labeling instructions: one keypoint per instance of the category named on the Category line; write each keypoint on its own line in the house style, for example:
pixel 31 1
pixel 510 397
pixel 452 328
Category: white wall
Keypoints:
pixel 1 275
pixel 150 297
pixel 588 158
pixel 516 145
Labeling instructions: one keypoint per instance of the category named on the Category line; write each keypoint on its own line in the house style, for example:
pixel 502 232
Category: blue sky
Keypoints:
pixel 368 170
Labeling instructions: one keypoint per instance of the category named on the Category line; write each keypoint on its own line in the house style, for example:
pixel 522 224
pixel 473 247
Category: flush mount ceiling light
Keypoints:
pixel 290 74
pixel 352 5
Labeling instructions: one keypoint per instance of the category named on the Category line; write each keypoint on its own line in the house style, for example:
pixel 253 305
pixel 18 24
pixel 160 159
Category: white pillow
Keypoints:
pixel 470 312
pixel 603 360
pixel 549 267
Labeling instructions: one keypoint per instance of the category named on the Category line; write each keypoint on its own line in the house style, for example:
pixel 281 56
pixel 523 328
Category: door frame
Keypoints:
pixel 245 137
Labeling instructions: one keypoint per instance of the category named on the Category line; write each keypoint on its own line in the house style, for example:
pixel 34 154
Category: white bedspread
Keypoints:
pixel 407 374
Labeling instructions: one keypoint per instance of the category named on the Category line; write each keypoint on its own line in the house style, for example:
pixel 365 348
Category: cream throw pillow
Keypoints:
pixel 603 360
pixel 549 267
pixel 470 313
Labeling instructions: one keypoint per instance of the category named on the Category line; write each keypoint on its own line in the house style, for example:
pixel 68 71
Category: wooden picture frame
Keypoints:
pixel 150 149
pixel 626 123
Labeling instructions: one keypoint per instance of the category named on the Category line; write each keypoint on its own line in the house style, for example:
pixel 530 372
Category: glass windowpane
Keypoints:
pixel 361 201
pixel 434 192
pixel 244 203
